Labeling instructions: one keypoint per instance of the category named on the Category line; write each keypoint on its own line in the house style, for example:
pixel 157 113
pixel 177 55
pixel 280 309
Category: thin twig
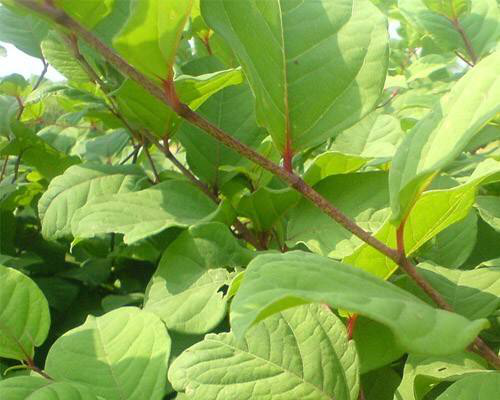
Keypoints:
pixel 463 59
pixel 31 365
pixel 391 97
pixel 468 44
pixel 4 167
pixel 151 162
pixel 16 167
pixel 133 155
pixel 42 75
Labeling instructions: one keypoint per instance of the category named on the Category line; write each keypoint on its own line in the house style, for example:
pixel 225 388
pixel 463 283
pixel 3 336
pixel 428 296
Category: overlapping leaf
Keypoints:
pixel 431 214
pixel 78 186
pixel 275 282
pixel 184 291
pixel 24 315
pixel 343 61
pixel 279 358
pixel 443 134
pixel 144 213
pixel 122 355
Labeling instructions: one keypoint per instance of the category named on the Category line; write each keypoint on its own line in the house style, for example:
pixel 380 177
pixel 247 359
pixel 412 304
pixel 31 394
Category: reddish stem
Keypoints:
pixel 351 325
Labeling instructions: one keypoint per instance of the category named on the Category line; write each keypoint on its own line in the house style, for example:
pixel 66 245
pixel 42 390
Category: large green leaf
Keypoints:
pixel 489 209
pixel 144 213
pixel 122 355
pixel 34 388
pixel 478 387
pixel 275 282
pixel 87 12
pixel 24 31
pixel 184 291
pixel 232 110
pixel 421 373
pixel 474 293
pixel 360 196
pixel 444 133
pixel 480 23
pixel 343 61
pixel 142 108
pixel 79 185
pixel 434 211
pixel 24 315
pixel 150 37
pixel 279 359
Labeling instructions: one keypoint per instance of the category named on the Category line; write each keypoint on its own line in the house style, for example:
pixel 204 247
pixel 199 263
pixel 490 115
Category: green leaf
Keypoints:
pixel 453 245
pixel 144 213
pixel 122 355
pixel 20 387
pixel 151 34
pixel 360 196
pixel 376 344
pixel 232 109
pixel 3 51
pixel 449 8
pixel 24 315
pixel 434 211
pixel 147 111
pixel 34 388
pixel 480 24
pixel 421 373
pixel 426 65
pixel 279 358
pixel 333 163
pixel 380 384
pixel 444 133
pixel 35 152
pixel 265 207
pixel 275 282
pixel 88 12
pixel 478 387
pixel 474 293
pixel 489 210
pixel 13 85
pixel 79 185
pixel 184 291
pixel 24 31
pixel 56 53
pixel 343 60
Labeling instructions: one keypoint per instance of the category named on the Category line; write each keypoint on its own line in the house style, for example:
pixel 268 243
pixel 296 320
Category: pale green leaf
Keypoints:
pixel 474 293
pixel 13 85
pixel 122 355
pixel 24 31
pixel 279 359
pixel 449 8
pixel 333 163
pixel 56 53
pixel 426 65
pixel 480 25
pixel 265 207
pixel 87 12
pixel 478 387
pixel 3 51
pixel 37 153
pixel 79 185
pixel 184 291
pixel 151 34
pixel 444 133
pixel 144 213
pixel 360 196
pixel 343 61
pixel 434 211
pixel 489 209
pixel 24 315
pixel 20 387
pixel 275 282
pixel 147 111
pixel 421 373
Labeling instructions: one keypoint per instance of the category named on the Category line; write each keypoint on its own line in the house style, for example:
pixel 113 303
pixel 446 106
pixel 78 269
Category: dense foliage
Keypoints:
pixel 326 225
